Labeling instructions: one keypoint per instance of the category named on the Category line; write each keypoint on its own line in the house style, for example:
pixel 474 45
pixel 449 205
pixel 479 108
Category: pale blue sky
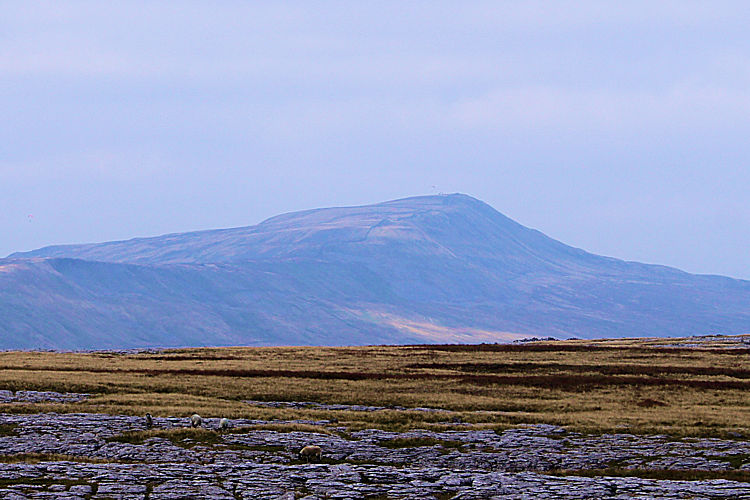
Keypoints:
pixel 617 127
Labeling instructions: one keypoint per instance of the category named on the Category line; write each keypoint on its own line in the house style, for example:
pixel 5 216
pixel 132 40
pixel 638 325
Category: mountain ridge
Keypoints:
pixel 376 215
pixel 446 268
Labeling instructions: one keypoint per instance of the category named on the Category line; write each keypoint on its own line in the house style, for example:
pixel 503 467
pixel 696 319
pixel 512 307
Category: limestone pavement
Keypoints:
pixel 67 456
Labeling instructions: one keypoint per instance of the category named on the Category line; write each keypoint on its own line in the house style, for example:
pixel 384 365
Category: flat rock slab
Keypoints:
pixel 40 397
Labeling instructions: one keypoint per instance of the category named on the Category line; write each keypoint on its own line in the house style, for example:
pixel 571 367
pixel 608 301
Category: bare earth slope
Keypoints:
pixel 433 268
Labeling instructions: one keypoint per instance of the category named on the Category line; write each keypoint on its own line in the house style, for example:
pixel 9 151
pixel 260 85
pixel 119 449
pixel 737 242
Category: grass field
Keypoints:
pixel 641 386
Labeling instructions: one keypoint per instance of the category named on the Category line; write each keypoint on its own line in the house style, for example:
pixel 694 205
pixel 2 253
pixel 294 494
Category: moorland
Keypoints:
pixel 643 385
pixel 660 418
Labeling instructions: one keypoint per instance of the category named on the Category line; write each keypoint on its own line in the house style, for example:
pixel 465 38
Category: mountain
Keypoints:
pixel 444 268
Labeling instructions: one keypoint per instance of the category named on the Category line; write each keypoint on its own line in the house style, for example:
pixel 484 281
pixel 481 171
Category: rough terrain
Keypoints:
pixel 108 456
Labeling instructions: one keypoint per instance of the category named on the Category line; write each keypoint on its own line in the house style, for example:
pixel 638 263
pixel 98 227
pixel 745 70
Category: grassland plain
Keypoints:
pixel 647 386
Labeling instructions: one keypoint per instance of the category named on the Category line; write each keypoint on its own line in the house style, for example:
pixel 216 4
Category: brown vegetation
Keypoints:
pixel 594 386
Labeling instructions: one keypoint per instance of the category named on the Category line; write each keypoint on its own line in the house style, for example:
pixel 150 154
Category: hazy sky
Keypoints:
pixel 618 127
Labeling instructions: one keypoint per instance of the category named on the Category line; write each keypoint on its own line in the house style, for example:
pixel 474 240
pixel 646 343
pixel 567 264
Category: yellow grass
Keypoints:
pixel 599 386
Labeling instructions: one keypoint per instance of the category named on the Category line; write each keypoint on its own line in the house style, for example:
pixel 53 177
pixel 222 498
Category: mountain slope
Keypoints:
pixel 454 224
pixel 432 268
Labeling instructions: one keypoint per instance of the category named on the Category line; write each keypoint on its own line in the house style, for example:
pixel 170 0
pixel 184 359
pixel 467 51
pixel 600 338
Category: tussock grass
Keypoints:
pixel 622 369
pixel 635 386
pixel 188 437
pixel 176 435
pixel 8 429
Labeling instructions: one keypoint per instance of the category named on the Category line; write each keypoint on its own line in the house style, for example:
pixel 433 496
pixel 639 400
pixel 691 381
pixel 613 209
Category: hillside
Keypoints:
pixel 425 269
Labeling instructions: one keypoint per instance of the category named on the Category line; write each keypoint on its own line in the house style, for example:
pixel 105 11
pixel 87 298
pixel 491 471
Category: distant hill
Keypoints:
pixel 424 269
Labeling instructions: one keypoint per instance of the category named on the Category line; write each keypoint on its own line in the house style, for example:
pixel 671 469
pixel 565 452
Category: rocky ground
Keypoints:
pixel 88 456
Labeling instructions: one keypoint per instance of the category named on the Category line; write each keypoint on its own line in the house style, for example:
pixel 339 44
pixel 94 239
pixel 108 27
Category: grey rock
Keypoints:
pixel 262 464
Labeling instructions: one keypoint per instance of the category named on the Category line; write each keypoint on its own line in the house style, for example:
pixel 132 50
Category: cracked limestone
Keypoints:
pixel 257 464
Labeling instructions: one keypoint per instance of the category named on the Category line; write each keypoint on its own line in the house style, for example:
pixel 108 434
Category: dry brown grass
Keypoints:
pixel 597 386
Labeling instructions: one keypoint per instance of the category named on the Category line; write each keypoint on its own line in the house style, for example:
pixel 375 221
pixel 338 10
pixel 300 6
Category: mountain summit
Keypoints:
pixel 456 222
pixel 444 268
